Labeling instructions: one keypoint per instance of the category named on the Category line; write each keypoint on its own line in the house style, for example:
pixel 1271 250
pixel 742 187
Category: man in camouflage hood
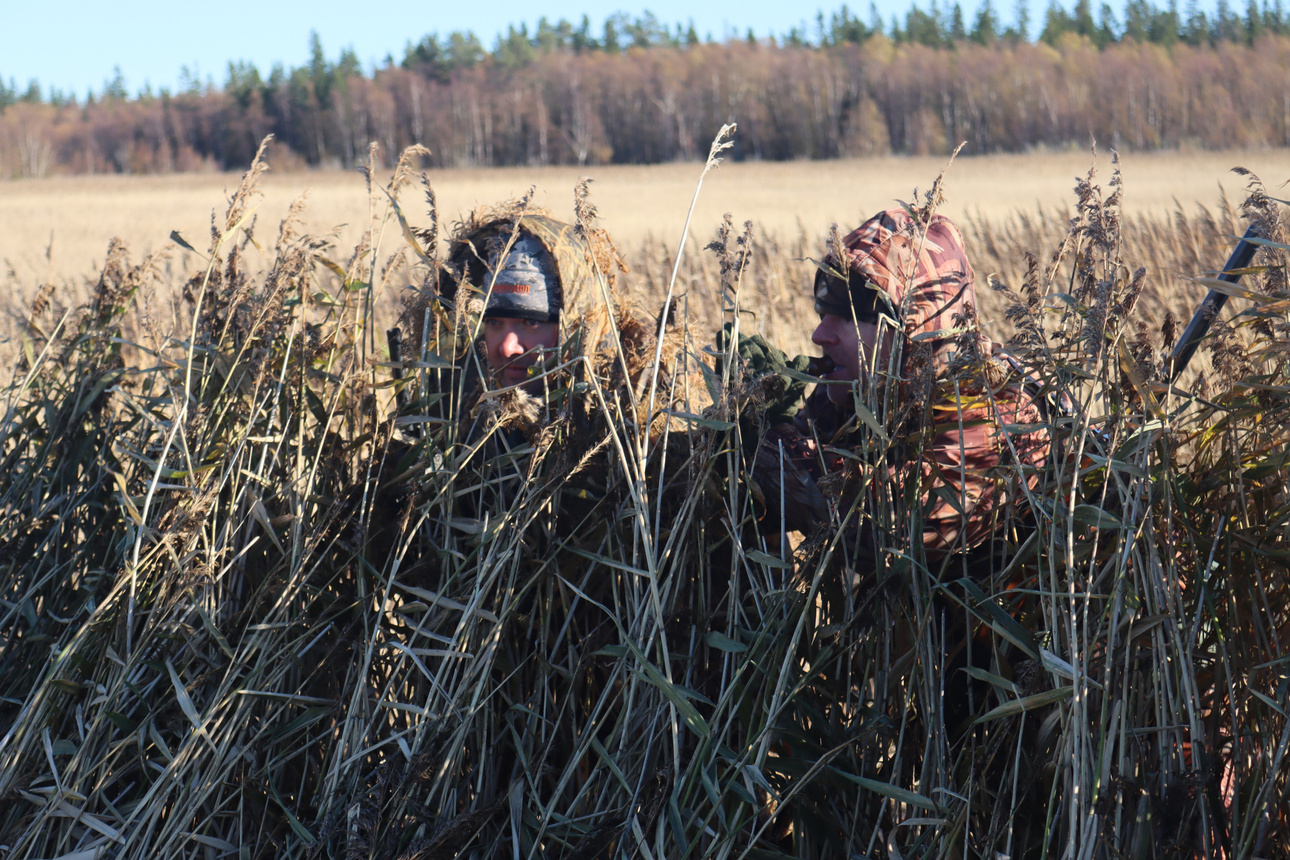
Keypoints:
pixel 525 270
pixel 897 322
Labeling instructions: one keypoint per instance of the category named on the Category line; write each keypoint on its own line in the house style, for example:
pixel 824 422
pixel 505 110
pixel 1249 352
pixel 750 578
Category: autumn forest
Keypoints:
pixel 639 92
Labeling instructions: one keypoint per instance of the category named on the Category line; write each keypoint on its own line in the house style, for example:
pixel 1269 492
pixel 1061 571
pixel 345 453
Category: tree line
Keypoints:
pixel 640 92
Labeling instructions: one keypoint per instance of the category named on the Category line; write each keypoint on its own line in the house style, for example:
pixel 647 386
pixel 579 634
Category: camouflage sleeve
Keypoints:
pixel 964 466
pixel 968 470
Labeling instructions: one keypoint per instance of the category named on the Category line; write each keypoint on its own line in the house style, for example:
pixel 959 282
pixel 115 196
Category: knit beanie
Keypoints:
pixel 524 283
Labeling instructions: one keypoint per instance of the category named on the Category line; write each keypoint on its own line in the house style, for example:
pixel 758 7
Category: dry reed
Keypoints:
pixel 251 606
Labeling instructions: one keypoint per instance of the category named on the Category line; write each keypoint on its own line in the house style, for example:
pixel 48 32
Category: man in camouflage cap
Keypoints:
pixel 527 268
pixel 896 305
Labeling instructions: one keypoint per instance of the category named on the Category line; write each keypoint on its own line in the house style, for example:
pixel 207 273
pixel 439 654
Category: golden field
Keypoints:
pixel 56 231
pixel 73 218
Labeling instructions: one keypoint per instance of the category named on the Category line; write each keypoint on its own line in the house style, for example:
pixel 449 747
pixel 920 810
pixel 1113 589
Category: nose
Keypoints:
pixel 822 335
pixel 511 346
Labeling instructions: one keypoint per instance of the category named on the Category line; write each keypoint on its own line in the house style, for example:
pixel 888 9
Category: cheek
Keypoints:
pixel 548 336
pixel 527 341
pixel 851 349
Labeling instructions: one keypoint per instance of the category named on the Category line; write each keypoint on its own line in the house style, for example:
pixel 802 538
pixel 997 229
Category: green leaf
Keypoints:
pixel 609 762
pixel 895 792
pixel 1062 668
pixel 722 642
pixel 1119 466
pixel 433 598
pixel 159 742
pixel 616 651
pixel 1260 696
pixel 1091 515
pixel 678 827
pixel 181 694
pixel 998 619
pixel 675 693
pixel 214 631
pixel 767 560
pixel 687 712
pixel 309 717
pixel 121 721
pixel 991 678
pixel 63 746
pixel 109 378
pixel 182 242
pixel 699 420
pixel 608 562
pixel 1017 706
pixel 296 825
pixel 866 416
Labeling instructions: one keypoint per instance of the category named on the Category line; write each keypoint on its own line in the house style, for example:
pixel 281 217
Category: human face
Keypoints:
pixel 513 346
pixel 851 346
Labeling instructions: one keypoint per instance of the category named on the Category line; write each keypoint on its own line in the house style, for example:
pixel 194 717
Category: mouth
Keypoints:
pixel 515 374
pixel 512 374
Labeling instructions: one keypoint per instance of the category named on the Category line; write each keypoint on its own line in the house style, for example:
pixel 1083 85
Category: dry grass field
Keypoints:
pixel 58 229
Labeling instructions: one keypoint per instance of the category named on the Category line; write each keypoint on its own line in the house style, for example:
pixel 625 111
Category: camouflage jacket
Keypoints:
pixel 957 406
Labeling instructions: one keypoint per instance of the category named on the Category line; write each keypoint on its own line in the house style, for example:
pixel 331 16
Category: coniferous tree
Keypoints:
pixel 985 30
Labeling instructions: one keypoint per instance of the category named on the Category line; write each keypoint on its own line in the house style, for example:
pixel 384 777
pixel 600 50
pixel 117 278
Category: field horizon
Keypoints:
pixel 57 230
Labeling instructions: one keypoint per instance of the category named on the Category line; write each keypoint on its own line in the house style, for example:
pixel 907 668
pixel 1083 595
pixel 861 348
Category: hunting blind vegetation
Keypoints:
pixel 268 591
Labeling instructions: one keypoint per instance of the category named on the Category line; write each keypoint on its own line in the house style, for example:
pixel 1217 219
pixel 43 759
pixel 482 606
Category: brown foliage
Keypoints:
pixel 661 103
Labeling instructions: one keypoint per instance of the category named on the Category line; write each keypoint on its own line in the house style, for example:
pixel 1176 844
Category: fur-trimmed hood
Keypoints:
pixel 586 262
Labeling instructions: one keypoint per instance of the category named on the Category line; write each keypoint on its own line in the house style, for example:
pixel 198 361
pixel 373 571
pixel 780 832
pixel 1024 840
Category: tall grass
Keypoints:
pixel 254 607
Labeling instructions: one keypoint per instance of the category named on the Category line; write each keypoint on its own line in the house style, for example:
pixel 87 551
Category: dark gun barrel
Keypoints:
pixel 394 339
pixel 1209 309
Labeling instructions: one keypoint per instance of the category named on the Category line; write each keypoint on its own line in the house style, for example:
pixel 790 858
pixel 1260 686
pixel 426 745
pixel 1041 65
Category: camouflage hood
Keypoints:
pixel 615 347
pixel 925 275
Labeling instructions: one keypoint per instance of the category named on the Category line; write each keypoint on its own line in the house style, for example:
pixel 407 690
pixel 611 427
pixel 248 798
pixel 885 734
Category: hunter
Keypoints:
pixel 522 268
pixel 918 408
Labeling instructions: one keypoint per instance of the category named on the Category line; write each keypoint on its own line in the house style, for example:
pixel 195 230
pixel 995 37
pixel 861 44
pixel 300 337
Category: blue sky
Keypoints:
pixel 75 45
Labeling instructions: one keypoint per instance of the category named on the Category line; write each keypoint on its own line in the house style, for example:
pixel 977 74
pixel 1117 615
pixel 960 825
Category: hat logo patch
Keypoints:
pixel 514 289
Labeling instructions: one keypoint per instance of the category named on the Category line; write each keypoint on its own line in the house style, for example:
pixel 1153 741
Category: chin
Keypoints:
pixel 839 395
